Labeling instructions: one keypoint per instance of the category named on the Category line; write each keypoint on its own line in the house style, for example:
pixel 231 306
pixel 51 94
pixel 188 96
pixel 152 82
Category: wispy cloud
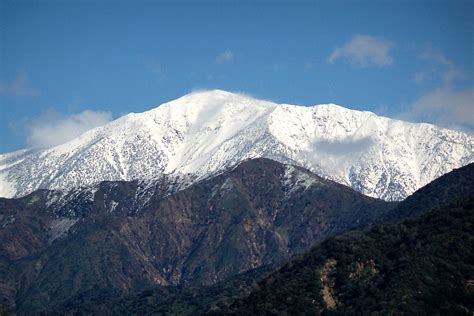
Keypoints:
pixel 440 69
pixel 225 56
pixel 53 128
pixel 345 146
pixel 445 106
pixel 447 103
pixel 364 51
pixel 453 74
pixel 20 86
pixel 436 57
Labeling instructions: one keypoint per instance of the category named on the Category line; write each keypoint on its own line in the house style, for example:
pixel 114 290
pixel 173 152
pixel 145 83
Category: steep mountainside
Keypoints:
pixel 124 236
pixel 205 133
pixel 457 184
pixel 396 261
pixel 422 266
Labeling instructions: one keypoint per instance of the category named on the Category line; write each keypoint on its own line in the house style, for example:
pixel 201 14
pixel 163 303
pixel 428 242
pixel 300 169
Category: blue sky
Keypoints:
pixel 67 66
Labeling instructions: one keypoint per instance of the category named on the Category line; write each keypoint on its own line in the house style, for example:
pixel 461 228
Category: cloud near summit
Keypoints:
pixel 446 106
pixel 364 51
pixel 52 128
pixel 345 146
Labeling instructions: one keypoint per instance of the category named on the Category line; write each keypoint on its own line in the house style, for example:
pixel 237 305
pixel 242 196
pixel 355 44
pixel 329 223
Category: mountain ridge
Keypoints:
pixel 437 197
pixel 421 265
pixel 204 133
pixel 122 236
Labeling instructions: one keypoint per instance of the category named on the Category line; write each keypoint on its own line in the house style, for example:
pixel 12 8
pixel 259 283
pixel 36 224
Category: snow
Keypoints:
pixel 7 221
pixel 6 188
pixel 227 186
pixel 294 179
pixel 60 227
pixel 112 206
pixel 204 133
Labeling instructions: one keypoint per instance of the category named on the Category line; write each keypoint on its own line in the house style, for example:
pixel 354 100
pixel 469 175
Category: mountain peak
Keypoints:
pixel 212 97
pixel 206 132
pixel 212 93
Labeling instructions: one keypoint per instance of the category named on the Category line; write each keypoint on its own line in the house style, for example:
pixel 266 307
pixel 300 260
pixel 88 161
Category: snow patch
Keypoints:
pixel 6 188
pixel 112 206
pixel 294 179
pixel 4 222
pixel 227 186
pixel 60 227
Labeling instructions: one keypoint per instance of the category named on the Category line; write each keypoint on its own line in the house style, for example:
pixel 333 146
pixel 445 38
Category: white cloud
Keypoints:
pixel 345 146
pixel 445 106
pixel 436 57
pixel 453 74
pixel 225 56
pixel 18 87
pixel 364 51
pixel 442 69
pixel 449 104
pixel 52 128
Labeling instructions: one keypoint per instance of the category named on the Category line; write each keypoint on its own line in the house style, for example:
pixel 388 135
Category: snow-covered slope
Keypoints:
pixel 206 132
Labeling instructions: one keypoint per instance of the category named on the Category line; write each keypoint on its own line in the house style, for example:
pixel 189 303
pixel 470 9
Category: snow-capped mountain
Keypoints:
pixel 204 133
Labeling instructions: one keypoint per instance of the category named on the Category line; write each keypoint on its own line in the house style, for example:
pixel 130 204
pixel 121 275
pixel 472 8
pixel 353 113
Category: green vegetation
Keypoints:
pixel 5 310
pixel 112 263
pixel 454 185
pixel 164 300
pixel 422 266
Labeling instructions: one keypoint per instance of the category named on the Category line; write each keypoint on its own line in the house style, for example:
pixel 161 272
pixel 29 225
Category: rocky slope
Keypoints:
pixel 124 236
pixel 418 266
pixel 457 184
pixel 422 266
pixel 205 133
